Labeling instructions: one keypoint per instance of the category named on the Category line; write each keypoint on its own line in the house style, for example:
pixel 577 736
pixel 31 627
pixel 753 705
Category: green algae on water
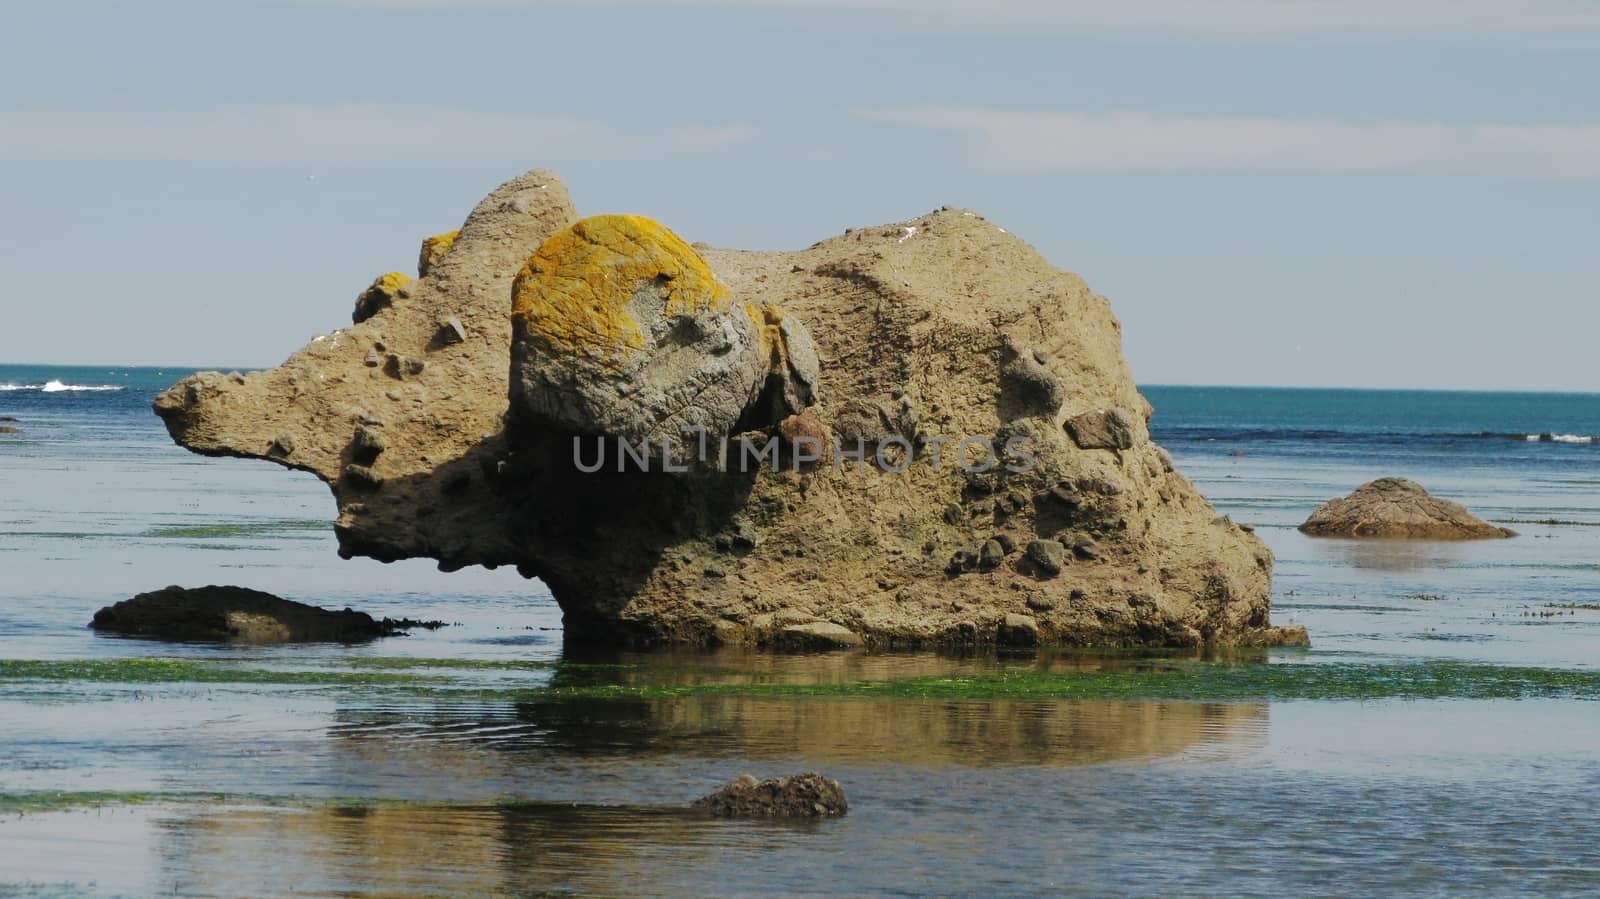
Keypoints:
pixel 180 671
pixel 1174 680
pixel 66 800
pixel 1178 682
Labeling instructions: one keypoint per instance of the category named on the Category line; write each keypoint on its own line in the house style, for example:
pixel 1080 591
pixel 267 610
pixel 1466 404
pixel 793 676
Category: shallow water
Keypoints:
pixel 485 758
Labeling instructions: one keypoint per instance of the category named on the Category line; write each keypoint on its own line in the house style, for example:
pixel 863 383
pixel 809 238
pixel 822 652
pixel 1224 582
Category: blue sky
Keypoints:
pixel 1287 192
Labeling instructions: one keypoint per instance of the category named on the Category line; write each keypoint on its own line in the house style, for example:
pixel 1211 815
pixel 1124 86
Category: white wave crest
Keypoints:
pixel 54 386
pixel 1560 438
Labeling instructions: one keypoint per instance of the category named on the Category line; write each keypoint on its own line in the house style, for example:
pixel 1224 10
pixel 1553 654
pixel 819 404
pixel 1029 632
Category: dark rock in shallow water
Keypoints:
pixel 807 795
pixel 236 614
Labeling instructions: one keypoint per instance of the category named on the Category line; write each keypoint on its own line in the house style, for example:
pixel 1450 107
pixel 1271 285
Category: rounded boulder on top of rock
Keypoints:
pixel 1398 509
pixel 618 326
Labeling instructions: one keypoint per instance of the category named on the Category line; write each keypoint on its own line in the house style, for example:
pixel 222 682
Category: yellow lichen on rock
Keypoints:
pixel 433 249
pixel 380 295
pixel 769 324
pixel 575 289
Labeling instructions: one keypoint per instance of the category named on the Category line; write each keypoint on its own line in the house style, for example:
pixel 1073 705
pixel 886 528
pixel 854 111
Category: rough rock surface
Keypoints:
pixel 1398 509
pixel 912 327
pixel 807 795
pixel 234 614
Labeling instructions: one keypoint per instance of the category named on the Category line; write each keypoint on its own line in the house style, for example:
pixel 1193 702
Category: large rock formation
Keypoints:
pixel 1398 509
pixel 1009 491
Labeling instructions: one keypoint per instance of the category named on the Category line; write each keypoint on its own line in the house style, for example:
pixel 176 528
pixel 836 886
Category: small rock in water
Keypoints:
pixel 237 614
pixel 816 636
pixel 808 795
pixel 1018 630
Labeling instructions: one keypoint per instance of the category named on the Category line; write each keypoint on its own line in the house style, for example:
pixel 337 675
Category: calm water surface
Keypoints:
pixel 451 762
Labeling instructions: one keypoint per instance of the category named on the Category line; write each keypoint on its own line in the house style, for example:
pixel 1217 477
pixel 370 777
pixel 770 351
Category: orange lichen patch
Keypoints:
pixel 433 249
pixel 575 289
pixel 380 295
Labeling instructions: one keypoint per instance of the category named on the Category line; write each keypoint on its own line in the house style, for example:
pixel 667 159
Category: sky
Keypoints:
pixel 1270 192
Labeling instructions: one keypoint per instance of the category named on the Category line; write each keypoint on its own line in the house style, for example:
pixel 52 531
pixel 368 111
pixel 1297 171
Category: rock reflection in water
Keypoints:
pixel 821 730
pixel 431 849
pixel 1390 555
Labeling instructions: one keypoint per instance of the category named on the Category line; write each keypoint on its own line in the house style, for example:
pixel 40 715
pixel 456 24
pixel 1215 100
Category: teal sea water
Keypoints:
pixel 1440 738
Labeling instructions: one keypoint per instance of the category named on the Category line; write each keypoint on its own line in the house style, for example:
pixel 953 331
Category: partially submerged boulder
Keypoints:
pixel 809 795
pixel 235 615
pixel 1398 509
pixel 973 396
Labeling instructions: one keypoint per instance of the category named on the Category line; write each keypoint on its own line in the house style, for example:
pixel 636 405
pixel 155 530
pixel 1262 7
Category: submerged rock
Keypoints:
pixel 984 384
pixel 807 795
pixel 1398 509
pixel 237 614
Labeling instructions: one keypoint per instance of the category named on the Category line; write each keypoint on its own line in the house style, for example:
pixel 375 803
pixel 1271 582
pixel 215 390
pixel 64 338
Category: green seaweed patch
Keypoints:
pixel 1426 597
pixel 178 671
pixel 1245 682
pixel 385 663
pixel 1172 680
pixel 1576 606
pixel 65 800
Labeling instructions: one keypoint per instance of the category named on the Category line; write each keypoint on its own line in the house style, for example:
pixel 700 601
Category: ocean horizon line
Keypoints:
pixel 1158 385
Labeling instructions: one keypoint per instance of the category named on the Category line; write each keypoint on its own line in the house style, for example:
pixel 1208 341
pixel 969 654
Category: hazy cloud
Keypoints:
pixel 342 133
pixel 1051 142
pixel 1221 17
